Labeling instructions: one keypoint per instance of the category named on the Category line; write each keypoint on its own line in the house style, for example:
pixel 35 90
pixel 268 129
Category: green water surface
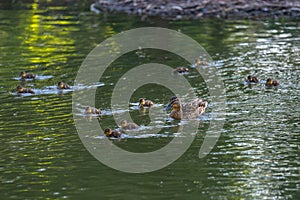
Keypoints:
pixel 42 156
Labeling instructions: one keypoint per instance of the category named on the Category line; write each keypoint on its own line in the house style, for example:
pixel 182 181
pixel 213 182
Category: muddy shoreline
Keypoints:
pixel 198 9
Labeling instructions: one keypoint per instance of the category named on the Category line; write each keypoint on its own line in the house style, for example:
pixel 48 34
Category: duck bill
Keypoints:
pixel 168 107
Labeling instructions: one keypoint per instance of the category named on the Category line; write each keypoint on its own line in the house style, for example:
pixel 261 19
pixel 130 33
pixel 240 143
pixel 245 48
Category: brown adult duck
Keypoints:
pixel 188 110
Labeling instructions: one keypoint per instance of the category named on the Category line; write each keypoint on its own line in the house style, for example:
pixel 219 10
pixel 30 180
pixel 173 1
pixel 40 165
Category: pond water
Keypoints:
pixel 42 156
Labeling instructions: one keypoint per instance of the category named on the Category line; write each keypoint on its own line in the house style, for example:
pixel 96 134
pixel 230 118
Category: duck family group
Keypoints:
pixel 180 110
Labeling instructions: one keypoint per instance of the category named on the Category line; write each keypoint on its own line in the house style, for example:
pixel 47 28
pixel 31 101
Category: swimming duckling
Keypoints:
pixel 198 62
pixel 112 133
pixel 91 110
pixel 181 69
pixel 25 75
pixel 271 82
pixel 62 85
pixel 252 79
pixel 145 103
pixel 128 125
pixel 21 89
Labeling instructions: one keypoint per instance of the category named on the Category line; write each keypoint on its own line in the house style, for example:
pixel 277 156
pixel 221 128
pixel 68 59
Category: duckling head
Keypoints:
pixel 107 132
pixel 22 74
pixel 19 88
pixel 198 61
pixel 269 81
pixel 142 101
pixel 123 123
pixel 88 110
pixel 60 84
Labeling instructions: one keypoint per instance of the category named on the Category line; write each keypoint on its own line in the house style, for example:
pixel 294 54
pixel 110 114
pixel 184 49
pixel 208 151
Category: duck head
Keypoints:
pixel 171 101
pixel 176 106
pixel 202 106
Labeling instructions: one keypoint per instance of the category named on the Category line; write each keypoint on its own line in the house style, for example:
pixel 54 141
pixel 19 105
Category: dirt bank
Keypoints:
pixel 197 9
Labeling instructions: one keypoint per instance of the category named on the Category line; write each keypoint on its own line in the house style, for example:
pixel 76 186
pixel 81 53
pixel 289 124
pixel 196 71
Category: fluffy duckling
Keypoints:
pixel 252 79
pixel 21 89
pixel 128 125
pixel 181 70
pixel 112 133
pixel 271 82
pixel 91 110
pixel 25 75
pixel 145 103
pixel 198 62
pixel 62 85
